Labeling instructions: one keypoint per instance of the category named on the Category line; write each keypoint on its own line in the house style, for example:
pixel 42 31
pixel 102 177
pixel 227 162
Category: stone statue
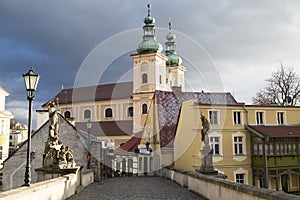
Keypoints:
pixel 56 155
pixel 205 130
pixel 206 151
pixel 53 121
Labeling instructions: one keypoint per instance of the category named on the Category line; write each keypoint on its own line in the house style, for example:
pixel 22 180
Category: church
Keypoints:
pixel 153 122
pixel 139 117
pixel 117 111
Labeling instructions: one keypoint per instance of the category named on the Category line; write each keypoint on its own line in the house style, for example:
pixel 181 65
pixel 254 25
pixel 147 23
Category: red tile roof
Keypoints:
pixel 131 144
pixel 108 128
pixel 94 93
pixel 169 107
pixel 275 131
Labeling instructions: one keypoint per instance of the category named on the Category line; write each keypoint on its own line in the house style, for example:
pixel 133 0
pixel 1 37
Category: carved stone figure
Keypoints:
pixel 53 121
pixel 56 155
pixel 206 151
pixel 205 130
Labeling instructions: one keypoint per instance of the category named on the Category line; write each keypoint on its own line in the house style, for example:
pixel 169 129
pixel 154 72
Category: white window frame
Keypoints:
pixel 241 117
pixel 212 122
pixel 241 171
pixel 283 115
pixel 260 121
pixel 217 158
pixel 213 143
pixel 237 143
pixel 244 138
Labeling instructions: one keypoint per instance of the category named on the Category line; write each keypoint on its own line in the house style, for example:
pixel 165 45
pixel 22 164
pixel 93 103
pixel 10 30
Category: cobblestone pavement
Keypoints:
pixel 135 188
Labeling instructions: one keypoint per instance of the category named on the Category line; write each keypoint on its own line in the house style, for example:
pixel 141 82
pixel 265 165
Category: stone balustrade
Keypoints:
pixel 213 188
pixel 58 188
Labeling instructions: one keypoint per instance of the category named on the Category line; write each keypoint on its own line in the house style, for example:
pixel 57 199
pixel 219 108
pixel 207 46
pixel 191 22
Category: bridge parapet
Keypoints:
pixel 58 188
pixel 210 187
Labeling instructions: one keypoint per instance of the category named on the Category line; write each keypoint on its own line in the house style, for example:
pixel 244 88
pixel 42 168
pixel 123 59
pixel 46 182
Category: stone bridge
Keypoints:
pixel 171 184
pixel 135 188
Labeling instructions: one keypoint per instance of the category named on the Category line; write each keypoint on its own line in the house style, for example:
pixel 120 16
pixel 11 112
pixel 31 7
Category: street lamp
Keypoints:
pixel 31 80
pixel 89 126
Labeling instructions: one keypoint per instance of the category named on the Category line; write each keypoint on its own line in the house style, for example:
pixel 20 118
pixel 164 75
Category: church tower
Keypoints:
pixel 149 72
pixel 149 64
pixel 175 71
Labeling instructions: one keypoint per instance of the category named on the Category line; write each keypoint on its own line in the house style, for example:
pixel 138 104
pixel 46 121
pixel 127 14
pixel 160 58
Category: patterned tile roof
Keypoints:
pixel 131 144
pixel 169 104
pixel 108 128
pixel 94 93
pixel 275 130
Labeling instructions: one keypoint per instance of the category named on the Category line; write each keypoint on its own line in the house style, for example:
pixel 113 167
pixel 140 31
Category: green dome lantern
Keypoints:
pixel 173 58
pixel 149 43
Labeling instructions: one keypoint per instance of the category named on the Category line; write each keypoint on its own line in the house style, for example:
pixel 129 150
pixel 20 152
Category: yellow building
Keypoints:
pixel 5 117
pixel 231 138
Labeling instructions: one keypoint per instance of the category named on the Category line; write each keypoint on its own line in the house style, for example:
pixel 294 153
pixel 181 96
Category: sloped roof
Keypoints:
pixel 94 93
pixel 169 104
pixel 108 128
pixel 275 130
pixel 131 144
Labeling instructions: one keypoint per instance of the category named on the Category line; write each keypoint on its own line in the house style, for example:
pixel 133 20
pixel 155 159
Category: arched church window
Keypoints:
pixel 130 112
pixel 144 108
pixel 144 78
pixel 87 114
pixel 108 112
pixel 67 114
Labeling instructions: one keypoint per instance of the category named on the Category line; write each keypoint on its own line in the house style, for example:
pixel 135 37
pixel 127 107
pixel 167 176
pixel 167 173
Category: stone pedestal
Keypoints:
pixel 44 173
pixel 207 165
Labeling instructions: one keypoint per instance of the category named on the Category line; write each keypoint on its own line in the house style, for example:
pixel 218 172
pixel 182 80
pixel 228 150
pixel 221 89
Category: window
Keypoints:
pixel 67 114
pixel 140 163
pixel 130 112
pixel 160 79
pixel 87 114
pixel 238 145
pixel 1 152
pixel 259 118
pixel 108 112
pixel 213 117
pixel 280 118
pixel 237 118
pixel 240 178
pixel 144 78
pixel 215 145
pixel 144 109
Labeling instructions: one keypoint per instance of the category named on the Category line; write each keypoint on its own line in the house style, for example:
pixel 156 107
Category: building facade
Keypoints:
pixel 5 117
pixel 255 145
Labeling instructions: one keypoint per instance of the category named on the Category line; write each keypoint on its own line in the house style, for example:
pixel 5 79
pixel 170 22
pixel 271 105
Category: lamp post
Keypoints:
pixel 31 80
pixel 89 126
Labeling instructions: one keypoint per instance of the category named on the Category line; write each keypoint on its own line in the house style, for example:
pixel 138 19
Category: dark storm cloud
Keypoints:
pixel 241 37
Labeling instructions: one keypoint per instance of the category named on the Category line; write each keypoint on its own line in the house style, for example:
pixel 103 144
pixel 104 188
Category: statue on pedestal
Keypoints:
pixel 206 152
pixel 56 155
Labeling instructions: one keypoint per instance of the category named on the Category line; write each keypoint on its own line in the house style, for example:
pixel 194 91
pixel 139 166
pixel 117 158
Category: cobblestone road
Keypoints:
pixel 135 188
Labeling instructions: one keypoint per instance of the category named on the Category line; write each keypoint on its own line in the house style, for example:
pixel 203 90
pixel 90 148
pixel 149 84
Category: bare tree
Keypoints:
pixel 283 89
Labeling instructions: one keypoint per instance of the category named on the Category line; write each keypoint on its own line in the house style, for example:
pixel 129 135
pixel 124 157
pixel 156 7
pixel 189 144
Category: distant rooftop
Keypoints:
pixel 275 130
pixel 94 93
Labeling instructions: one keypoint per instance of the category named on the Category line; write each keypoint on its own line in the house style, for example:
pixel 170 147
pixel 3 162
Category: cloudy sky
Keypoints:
pixel 228 45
